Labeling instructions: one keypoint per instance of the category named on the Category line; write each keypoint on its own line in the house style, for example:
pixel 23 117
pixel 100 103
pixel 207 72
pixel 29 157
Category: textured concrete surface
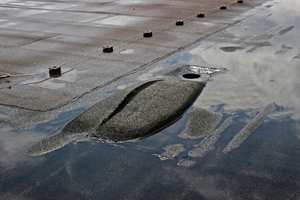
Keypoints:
pixel 38 34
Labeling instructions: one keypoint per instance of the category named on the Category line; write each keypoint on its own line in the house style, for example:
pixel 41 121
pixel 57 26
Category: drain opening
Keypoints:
pixel 191 76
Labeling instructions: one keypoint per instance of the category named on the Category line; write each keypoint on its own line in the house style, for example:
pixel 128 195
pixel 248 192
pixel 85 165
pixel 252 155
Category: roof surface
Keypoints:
pixel 36 35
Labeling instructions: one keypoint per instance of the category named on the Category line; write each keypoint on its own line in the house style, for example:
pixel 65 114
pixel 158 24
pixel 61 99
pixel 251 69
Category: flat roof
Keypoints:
pixel 36 35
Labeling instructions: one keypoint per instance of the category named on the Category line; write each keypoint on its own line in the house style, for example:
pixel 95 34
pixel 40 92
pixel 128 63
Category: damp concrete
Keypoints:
pixel 251 153
pixel 36 35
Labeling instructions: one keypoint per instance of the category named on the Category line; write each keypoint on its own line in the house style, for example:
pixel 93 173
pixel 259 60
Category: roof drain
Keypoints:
pixel 191 76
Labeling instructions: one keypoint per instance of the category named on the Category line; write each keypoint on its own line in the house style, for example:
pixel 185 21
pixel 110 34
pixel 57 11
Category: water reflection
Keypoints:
pixel 120 20
pixel 272 76
pixel 13 143
pixel 263 69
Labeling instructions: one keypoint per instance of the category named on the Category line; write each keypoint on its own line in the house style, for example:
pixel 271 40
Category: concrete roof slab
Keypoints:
pixel 23 25
pixel 162 9
pixel 40 5
pixel 33 97
pixel 199 26
pixel 40 92
pixel 171 38
pixel 63 16
pixel 39 34
pixel 71 44
pixel 30 61
pixel 122 21
pixel 81 30
pixel 13 38
pixel 136 52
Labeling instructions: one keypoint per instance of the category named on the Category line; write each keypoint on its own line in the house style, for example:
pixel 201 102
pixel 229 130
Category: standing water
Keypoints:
pixel 240 140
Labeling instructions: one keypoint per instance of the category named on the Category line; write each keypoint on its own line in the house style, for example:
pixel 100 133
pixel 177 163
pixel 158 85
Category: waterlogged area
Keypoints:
pixel 239 140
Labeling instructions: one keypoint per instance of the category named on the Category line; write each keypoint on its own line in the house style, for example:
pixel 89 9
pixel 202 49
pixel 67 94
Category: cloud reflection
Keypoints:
pixel 261 75
pixel 13 143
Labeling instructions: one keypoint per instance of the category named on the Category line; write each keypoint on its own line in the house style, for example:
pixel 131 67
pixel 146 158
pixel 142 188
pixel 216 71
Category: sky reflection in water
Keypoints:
pixel 262 55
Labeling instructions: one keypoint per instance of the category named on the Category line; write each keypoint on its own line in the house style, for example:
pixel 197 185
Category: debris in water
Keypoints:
pixel 171 151
pixel 186 163
pixel 205 70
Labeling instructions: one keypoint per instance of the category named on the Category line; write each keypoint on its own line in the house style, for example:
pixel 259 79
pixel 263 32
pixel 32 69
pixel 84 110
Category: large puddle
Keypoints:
pixel 240 139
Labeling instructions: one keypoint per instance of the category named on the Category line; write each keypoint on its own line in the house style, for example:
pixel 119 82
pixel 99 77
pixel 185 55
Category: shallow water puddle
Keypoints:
pixel 120 20
pixel 247 145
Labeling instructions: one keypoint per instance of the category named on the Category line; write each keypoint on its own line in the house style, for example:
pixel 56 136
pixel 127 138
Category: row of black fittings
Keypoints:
pixel 109 49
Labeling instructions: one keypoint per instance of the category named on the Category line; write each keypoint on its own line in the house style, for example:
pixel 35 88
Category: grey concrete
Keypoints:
pixel 35 35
